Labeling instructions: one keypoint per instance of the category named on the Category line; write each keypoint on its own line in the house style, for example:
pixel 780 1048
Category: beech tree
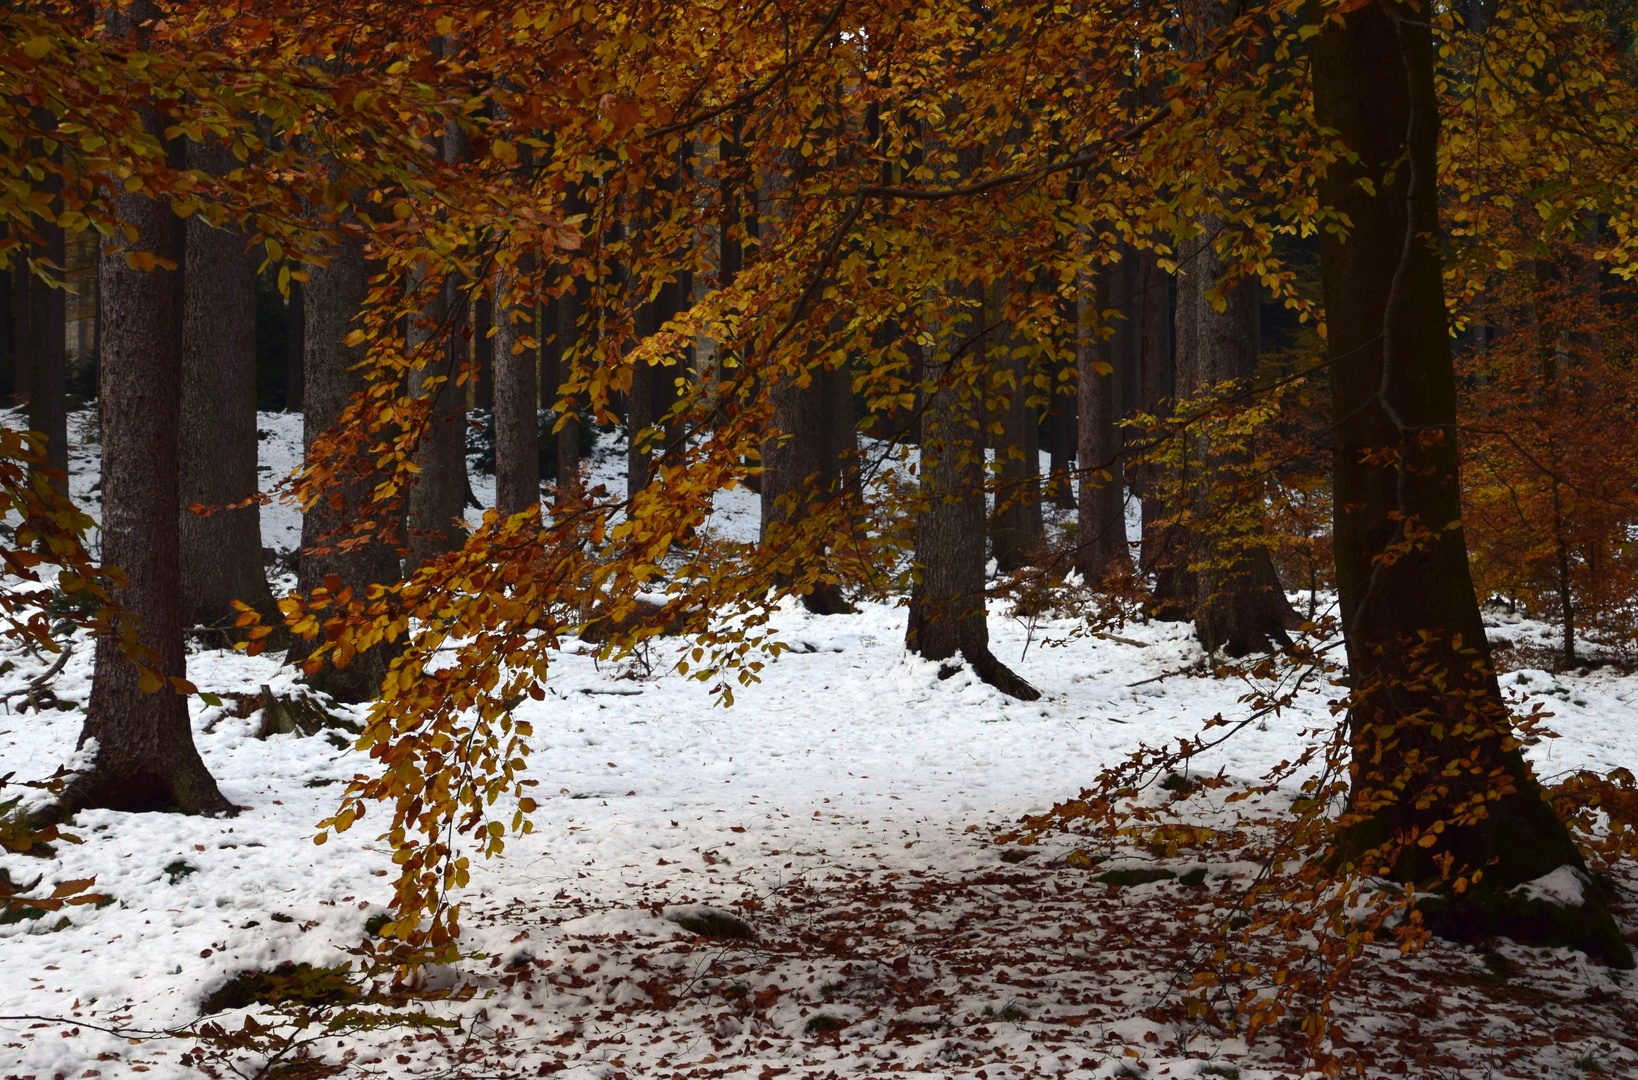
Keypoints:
pixel 1428 724
pixel 1100 541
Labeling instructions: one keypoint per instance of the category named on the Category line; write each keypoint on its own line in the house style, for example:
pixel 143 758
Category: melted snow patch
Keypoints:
pixel 1566 887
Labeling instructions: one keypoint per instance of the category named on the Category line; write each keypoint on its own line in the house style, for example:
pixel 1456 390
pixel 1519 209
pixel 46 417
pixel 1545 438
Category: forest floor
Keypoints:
pixel 846 812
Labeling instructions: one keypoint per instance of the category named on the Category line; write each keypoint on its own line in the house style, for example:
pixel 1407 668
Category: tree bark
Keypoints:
pixel 517 429
pixel 1172 592
pixel 802 469
pixel 221 553
pixel 1100 539
pixel 47 359
pixel 295 349
pixel 1419 663
pixel 437 498
pixel 1016 531
pixel 145 759
pixel 332 300
pixel 947 615
pixel 1238 605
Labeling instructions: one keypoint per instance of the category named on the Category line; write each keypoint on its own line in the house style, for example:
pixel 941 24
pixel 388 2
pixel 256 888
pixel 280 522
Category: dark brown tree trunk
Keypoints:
pixel 221 552
pixel 802 469
pixel 483 352
pixel 569 313
pixel 1172 593
pixel 437 498
pixel 295 349
pixel 640 415
pixel 1239 605
pixel 517 430
pixel 8 333
pixel 1100 538
pixel 1016 530
pixel 1419 663
pixel 47 359
pixel 145 758
pixel 947 615
pixel 332 300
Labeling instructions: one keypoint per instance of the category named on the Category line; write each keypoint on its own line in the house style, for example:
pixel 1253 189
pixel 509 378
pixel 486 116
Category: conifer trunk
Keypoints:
pixel 222 552
pixel 334 295
pixel 1017 531
pixel 1239 605
pixel 1100 538
pixel 517 430
pixel 1407 604
pixel 145 757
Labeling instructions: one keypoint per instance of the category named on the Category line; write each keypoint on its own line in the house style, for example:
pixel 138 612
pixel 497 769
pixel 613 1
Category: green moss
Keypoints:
pixel 1134 877
pixel 288 983
pixel 714 924
pixel 823 1024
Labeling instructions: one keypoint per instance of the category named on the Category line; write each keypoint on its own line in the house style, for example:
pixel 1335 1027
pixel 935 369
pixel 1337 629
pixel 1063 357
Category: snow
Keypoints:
pixel 844 808
pixel 1565 887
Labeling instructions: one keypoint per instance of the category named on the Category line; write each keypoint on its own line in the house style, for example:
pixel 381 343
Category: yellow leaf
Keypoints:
pixel 37 47
pixel 504 151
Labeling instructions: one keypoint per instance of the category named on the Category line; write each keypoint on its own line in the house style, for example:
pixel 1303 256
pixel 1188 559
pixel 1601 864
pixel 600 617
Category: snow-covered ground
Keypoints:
pixel 843 808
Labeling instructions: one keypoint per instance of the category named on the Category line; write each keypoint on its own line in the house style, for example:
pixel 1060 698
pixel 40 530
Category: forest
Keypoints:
pixel 625 539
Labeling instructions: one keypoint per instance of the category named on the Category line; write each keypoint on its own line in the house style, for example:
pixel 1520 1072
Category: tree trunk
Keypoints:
pixel 1172 592
pixel 1017 532
pixel 47 359
pixel 569 312
pixel 295 349
pixel 1239 605
pixel 802 460
pixel 145 758
pixel 947 613
pixel 483 352
pixel 437 498
pixel 1100 538
pixel 517 429
pixel 1419 664
pixel 332 299
pixel 221 553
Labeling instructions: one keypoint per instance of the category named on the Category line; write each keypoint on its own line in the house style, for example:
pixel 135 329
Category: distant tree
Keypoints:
pixel 221 552
pixel 1100 539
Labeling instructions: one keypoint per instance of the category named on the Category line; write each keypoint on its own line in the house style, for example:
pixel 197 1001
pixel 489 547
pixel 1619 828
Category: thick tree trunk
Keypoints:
pixel 517 429
pixel 221 553
pixel 145 758
pixel 640 409
pixel 947 615
pixel 1419 664
pixel 1239 605
pixel 1100 538
pixel 333 298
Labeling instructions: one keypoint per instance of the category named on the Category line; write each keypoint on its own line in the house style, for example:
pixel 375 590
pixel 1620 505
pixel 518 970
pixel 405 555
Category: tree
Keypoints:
pixel 517 432
pixel 145 758
pixel 1100 542
pixel 339 538
pixel 221 544
pixel 1432 753
pixel 1017 531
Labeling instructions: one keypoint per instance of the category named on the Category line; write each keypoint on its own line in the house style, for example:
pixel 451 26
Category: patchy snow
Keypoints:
pixel 1566 887
pixel 842 809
